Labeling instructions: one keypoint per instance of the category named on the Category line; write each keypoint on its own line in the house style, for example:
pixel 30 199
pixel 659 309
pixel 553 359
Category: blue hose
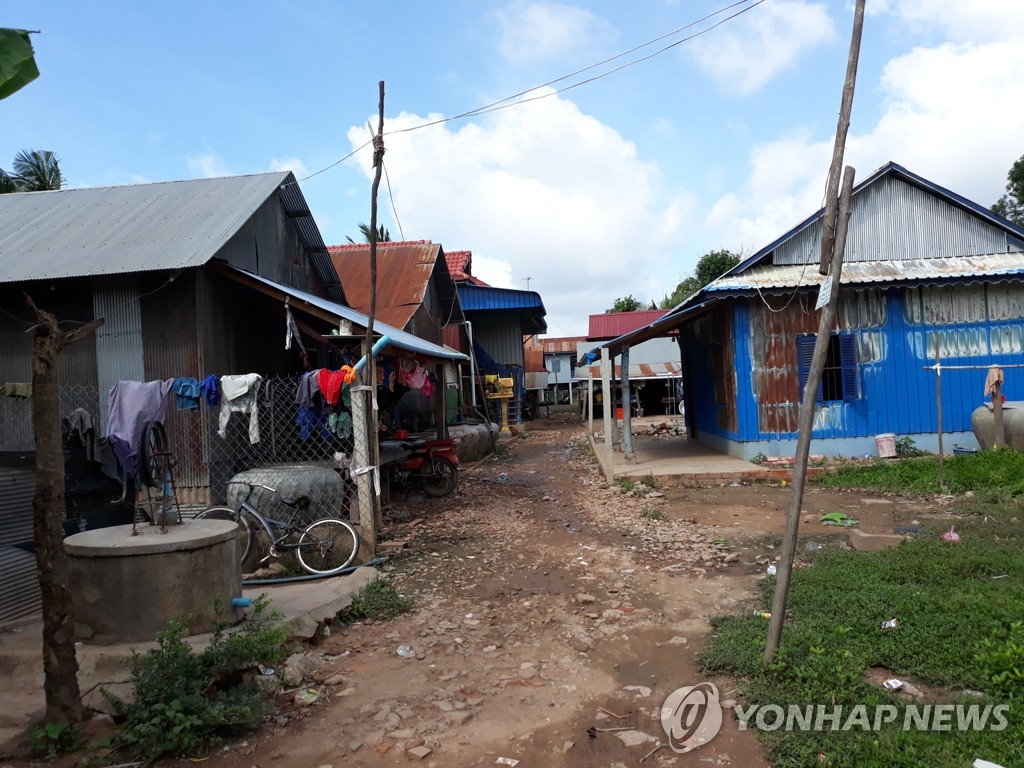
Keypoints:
pixel 311 576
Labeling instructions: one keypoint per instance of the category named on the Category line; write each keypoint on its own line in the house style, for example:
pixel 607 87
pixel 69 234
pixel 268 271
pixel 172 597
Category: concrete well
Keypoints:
pixel 125 588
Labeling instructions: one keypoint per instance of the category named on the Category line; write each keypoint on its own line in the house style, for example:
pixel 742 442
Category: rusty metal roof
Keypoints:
pixel 640 371
pixel 610 325
pixel 561 345
pixel 404 270
pixel 961 268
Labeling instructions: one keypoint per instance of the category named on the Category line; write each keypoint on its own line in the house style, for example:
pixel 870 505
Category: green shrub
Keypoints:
pixel 51 740
pixel 378 600
pixel 1002 661
pixel 184 701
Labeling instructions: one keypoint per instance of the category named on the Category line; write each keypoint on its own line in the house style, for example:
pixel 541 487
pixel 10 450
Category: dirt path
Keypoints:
pixel 547 606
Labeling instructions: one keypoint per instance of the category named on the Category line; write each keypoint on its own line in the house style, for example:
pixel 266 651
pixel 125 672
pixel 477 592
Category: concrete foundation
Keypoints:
pixel 126 588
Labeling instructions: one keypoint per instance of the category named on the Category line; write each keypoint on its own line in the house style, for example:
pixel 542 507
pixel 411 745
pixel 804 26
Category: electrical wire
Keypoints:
pixel 507 102
pixel 394 210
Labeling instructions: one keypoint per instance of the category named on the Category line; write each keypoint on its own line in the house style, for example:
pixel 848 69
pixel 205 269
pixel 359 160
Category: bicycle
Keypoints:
pixel 323 547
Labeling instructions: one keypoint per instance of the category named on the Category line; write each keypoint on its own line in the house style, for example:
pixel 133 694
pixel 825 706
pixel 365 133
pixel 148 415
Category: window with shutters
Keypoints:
pixel 839 378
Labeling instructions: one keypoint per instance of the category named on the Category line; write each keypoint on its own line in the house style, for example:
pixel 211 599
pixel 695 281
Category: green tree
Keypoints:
pixel 626 304
pixel 1011 205
pixel 33 171
pixel 17 61
pixel 383 236
pixel 710 267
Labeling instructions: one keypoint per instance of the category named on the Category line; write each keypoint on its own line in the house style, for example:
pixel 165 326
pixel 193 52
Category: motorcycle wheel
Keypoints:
pixel 439 479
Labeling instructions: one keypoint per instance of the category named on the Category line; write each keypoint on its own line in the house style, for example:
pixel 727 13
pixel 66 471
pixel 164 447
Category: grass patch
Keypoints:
pixel 959 629
pixel 625 484
pixel 998 472
pixel 378 600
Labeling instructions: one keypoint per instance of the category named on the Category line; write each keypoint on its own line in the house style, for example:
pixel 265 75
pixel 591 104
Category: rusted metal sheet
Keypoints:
pixel 638 371
pixel 404 272
pixel 561 345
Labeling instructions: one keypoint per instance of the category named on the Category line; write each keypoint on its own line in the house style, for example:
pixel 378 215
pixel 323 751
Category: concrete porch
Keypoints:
pixel 678 460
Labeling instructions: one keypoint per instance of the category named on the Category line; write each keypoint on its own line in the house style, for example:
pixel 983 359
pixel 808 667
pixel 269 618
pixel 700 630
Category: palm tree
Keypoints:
pixel 33 171
pixel 383 236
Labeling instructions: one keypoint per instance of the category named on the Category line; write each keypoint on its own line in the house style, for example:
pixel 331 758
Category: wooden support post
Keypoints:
pixel 364 480
pixel 441 405
pixel 607 403
pixel 997 414
pixel 590 405
pixel 627 410
pixel 806 426
pixel 938 409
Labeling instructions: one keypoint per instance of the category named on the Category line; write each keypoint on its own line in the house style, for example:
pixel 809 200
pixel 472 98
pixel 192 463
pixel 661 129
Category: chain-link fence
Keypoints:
pixel 294 450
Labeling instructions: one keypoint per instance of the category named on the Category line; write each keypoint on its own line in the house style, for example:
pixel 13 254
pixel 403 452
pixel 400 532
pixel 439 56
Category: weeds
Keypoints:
pixel 625 484
pixel 996 471
pixel 51 740
pixel 378 600
pixel 959 628
pixel 184 701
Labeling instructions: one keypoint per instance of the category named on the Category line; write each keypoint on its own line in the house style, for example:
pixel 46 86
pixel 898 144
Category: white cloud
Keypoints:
pixel 292 164
pixel 749 51
pixel 208 165
pixel 978 21
pixel 537 31
pixel 541 191
pixel 951 113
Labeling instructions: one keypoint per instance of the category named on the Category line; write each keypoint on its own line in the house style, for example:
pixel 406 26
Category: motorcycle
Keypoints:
pixel 431 464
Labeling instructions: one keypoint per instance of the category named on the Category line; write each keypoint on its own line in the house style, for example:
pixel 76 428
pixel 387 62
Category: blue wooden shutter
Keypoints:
pixel 848 361
pixel 804 354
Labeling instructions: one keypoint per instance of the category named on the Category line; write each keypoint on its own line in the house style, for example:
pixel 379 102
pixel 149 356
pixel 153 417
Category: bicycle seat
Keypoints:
pixel 299 502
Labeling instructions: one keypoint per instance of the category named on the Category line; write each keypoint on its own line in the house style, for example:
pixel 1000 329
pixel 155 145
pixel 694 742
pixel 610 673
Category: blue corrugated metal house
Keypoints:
pixel 920 260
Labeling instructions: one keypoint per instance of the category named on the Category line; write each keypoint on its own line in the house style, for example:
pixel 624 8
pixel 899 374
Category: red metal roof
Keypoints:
pixel 404 270
pixel 611 325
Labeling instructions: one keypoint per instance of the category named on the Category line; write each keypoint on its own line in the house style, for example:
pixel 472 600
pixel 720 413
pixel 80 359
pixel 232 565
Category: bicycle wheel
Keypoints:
pixel 327 546
pixel 441 479
pixel 153 464
pixel 244 528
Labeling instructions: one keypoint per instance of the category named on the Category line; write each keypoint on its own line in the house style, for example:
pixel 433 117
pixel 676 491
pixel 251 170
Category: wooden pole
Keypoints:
pixel 590 405
pixel 828 230
pixel 371 366
pixel 806 426
pixel 627 410
pixel 997 414
pixel 607 403
pixel 938 409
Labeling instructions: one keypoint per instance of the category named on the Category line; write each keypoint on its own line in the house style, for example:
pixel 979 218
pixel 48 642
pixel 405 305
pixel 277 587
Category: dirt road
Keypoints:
pixel 550 609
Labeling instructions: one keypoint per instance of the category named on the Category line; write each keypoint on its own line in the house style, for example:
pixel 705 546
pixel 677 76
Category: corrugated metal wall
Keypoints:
pixel 502 340
pixel 895 333
pixel 119 340
pixel 19 587
pixel 893 220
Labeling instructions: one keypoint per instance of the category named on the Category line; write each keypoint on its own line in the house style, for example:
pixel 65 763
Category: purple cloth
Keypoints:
pixel 131 404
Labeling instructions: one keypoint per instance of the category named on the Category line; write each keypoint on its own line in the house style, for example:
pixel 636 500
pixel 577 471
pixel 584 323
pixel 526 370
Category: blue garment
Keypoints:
pixel 310 420
pixel 186 393
pixel 130 405
pixel 210 391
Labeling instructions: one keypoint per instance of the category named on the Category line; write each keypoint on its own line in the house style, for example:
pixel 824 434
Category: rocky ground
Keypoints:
pixel 553 615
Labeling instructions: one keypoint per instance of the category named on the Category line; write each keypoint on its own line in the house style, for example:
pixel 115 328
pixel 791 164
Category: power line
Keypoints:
pixel 394 210
pixel 508 100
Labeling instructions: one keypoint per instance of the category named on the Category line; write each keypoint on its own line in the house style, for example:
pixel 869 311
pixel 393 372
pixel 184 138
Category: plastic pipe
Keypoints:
pixel 382 342
pixel 241 602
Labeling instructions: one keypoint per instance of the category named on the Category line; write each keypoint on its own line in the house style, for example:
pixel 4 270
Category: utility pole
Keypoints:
pixel 833 244
pixel 370 536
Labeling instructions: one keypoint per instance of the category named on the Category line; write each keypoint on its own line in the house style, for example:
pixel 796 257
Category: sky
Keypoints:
pixel 612 188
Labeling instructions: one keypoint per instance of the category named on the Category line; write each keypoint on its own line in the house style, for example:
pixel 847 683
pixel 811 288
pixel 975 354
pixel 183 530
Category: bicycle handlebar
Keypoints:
pixel 252 485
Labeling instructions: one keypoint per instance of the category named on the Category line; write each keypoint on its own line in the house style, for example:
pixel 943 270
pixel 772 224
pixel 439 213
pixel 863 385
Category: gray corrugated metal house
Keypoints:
pixel 191 277
pixel 920 260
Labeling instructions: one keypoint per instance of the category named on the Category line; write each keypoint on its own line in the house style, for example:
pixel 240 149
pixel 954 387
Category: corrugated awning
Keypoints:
pixel 396 338
pixel 639 371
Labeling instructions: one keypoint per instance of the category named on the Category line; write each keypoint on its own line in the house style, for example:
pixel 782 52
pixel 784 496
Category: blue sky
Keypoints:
pixel 612 188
